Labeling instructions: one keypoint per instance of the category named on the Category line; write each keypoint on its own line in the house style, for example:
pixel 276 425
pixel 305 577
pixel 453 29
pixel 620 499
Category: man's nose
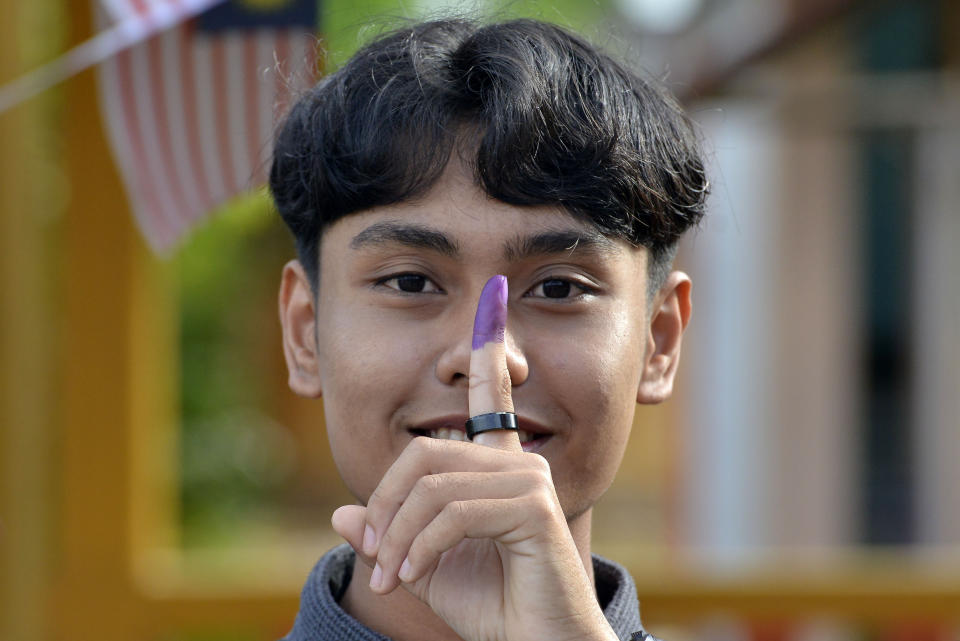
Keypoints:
pixel 453 364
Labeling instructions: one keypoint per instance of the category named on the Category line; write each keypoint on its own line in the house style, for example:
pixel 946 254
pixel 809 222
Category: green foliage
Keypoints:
pixel 233 455
pixel 347 25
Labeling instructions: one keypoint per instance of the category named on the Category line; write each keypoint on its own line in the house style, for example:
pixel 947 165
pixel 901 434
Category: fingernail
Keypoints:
pixel 369 540
pixel 405 570
pixel 377 577
pixel 491 320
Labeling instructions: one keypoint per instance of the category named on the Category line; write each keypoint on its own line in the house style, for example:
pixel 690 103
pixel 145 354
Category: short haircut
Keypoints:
pixel 542 116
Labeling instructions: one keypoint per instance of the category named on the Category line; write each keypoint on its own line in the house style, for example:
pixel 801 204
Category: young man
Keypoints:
pixel 513 164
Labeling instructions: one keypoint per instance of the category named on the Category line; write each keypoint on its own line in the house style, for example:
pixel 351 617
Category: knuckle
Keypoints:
pixel 419 445
pixel 477 380
pixel 426 544
pixel 505 385
pixel 500 381
pixel 541 504
pixel 378 498
pixel 455 510
pixel 540 465
pixel 415 554
pixel 420 449
pixel 387 545
pixel 422 545
pixel 532 478
pixel 426 486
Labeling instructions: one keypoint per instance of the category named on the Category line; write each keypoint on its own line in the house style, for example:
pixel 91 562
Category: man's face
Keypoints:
pixel 398 292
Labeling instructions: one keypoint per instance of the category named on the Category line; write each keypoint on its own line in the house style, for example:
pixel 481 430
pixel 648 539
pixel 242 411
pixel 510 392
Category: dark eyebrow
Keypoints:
pixel 565 241
pixel 408 234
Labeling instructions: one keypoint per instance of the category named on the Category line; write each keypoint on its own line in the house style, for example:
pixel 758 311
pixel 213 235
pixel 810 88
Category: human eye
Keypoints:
pixel 559 289
pixel 409 283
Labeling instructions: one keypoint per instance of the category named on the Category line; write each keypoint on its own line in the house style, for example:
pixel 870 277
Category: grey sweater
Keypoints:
pixel 322 619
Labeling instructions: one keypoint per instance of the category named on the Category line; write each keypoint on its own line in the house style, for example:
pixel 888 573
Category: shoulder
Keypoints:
pixel 320 617
pixel 617 595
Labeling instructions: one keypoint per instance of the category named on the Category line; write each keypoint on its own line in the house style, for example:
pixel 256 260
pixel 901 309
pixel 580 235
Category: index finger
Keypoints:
pixel 489 380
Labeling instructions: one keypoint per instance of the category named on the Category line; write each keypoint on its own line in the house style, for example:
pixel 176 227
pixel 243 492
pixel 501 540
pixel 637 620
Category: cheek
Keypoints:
pixel 605 401
pixel 597 366
pixel 362 350
pixel 366 374
pixel 594 377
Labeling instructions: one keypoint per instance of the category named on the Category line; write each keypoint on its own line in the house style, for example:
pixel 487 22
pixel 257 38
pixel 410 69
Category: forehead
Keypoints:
pixel 456 216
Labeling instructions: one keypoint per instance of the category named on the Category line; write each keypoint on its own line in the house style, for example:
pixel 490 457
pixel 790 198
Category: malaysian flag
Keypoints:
pixel 190 111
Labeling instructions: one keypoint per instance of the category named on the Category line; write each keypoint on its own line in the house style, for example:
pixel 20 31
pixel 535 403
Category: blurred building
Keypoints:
pixel 824 274
pixel 161 482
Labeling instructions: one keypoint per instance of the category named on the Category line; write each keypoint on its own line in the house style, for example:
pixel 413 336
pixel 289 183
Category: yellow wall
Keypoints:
pixel 29 217
pixel 88 440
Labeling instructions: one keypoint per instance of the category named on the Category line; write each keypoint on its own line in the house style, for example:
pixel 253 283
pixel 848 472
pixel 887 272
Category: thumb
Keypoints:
pixel 349 522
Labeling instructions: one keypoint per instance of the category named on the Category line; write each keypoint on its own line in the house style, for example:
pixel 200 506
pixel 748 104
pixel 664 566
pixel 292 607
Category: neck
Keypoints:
pixel 403 617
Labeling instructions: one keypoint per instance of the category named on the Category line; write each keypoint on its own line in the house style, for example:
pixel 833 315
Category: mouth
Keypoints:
pixel 532 438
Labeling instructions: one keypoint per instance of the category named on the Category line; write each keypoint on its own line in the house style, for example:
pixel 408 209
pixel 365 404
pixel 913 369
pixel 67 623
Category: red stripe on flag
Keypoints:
pixel 312 59
pixel 144 100
pixel 131 121
pixel 283 76
pixel 221 104
pixel 190 116
pixel 173 85
pixel 141 7
pixel 251 91
pixel 237 74
pixel 171 108
pixel 155 60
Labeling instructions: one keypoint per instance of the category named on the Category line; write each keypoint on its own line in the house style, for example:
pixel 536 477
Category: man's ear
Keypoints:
pixel 669 315
pixel 298 319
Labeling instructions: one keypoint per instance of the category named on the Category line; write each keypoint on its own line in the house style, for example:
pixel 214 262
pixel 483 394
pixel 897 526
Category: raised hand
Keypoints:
pixel 476 530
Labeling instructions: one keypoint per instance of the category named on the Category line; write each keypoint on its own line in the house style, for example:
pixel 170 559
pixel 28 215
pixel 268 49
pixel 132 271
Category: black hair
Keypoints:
pixel 548 120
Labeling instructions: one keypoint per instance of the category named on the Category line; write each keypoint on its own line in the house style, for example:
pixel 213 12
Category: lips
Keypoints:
pixel 532 435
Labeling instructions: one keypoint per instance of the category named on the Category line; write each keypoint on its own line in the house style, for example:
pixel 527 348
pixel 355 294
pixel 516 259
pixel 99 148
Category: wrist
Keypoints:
pixel 600 630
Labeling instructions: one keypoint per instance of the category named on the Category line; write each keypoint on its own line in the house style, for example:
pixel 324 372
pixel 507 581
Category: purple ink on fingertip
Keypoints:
pixel 491 321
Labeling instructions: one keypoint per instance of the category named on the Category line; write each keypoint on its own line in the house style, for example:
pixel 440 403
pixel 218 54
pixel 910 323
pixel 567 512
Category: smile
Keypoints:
pixel 454 434
pixel 448 429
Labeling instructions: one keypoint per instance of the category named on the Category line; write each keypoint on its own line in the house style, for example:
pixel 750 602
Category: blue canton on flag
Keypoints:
pixel 191 111
pixel 237 14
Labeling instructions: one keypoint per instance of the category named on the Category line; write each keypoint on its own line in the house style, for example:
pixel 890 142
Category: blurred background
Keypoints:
pixel 159 480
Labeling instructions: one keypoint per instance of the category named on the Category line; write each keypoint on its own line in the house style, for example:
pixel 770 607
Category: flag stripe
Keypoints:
pixel 140 7
pixel 235 109
pixel 191 114
pixel 166 78
pixel 191 130
pixel 309 57
pixel 158 98
pixel 139 81
pixel 266 43
pixel 281 80
pixel 112 100
pixel 184 163
pixel 220 103
pixel 124 149
pixel 207 117
pixel 131 130
pixel 251 94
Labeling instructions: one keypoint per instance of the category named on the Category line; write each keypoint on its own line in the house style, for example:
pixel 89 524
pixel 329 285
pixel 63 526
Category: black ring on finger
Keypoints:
pixel 491 421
